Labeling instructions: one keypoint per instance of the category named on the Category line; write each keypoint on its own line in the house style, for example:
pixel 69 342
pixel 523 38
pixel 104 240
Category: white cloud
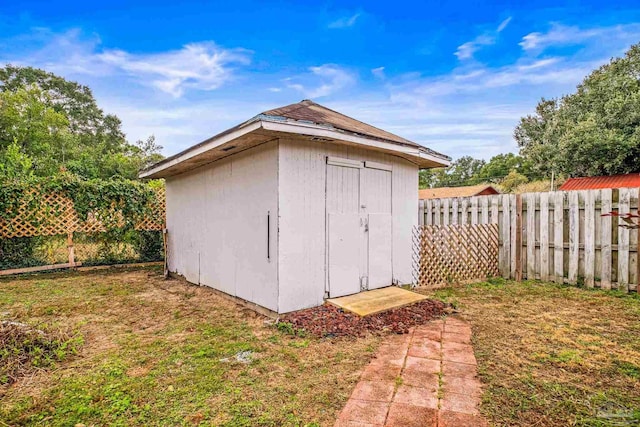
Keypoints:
pixel 466 50
pixel 561 35
pixel 201 65
pixel 488 38
pixel 345 21
pixel 378 72
pixel 332 78
pixel 504 24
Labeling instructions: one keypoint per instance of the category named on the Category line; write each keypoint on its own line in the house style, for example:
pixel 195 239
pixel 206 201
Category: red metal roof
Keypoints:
pixel 596 182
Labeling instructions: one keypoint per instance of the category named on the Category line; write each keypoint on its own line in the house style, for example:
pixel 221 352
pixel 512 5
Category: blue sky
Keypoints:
pixel 453 76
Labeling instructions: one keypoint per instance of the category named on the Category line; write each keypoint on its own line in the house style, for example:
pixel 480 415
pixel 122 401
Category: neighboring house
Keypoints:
pixel 294 205
pixel 599 182
pixel 447 192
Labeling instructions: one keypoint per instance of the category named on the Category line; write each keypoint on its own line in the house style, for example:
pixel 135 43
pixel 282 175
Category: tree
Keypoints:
pixel 15 165
pixel 73 100
pixel 499 166
pixel 594 131
pixel 57 124
pixel 463 171
pixel 512 181
pixel 28 127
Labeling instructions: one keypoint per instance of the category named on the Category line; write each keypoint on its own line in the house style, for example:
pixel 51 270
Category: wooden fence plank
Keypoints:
pixel 464 208
pixel 474 210
pixel 515 232
pixel 518 236
pixel 421 213
pixel 589 237
pixel 574 237
pixel 494 200
pixel 428 209
pixel 633 241
pixel 39 268
pixel 605 239
pixel 445 211
pixel 531 235
pixel 558 236
pixel 454 211
pixel 624 206
pixel 505 237
pixel 484 202
pixel 436 212
pixel 544 236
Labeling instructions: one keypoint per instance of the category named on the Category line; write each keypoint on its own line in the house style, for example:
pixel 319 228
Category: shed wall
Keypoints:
pixel 217 225
pixel 302 228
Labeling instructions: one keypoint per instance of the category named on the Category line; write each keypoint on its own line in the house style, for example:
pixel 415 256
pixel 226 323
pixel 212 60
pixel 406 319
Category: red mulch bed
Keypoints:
pixel 330 321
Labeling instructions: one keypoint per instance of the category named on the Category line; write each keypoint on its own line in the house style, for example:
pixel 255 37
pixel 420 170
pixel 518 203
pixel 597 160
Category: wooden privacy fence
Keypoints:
pixel 555 236
pixel 56 216
pixel 445 254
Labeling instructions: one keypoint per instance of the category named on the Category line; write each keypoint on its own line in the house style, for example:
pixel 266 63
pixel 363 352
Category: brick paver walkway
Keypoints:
pixel 426 378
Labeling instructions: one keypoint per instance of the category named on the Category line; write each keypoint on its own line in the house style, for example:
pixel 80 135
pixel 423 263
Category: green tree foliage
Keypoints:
pixel 31 129
pixel 512 181
pixel 594 131
pixel 500 166
pixel 469 171
pixel 57 124
pixel 463 171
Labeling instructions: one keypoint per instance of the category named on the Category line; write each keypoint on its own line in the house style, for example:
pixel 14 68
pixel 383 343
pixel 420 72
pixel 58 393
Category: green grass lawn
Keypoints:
pixel 551 355
pixel 151 352
pixel 151 355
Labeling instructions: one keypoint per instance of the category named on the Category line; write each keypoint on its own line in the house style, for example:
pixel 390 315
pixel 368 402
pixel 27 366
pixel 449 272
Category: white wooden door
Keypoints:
pixel 379 266
pixel 343 228
pixel 375 206
pixel 344 242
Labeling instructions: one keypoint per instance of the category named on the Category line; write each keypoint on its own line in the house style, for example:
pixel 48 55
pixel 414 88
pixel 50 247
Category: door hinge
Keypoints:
pixel 364 283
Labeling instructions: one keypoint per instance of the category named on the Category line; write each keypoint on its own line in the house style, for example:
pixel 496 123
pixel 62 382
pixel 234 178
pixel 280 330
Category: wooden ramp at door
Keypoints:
pixel 376 301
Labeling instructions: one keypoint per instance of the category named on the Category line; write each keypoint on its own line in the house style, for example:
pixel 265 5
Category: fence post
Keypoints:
pixel 72 256
pixel 638 248
pixel 518 248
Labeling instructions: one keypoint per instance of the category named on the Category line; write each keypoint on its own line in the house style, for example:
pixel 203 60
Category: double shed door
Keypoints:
pixel 359 239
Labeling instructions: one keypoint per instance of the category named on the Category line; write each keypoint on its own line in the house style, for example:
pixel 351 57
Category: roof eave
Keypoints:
pixel 155 171
pixel 421 156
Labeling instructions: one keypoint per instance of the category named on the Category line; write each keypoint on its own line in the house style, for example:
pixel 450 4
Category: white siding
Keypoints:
pixel 302 225
pixel 217 225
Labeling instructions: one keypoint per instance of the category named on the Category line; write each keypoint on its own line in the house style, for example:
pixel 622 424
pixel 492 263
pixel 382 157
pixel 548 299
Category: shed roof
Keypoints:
pixel 466 191
pixel 305 118
pixel 598 182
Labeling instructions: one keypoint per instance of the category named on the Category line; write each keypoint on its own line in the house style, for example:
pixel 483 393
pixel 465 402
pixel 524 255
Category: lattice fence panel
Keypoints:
pixel 447 254
pixel 56 215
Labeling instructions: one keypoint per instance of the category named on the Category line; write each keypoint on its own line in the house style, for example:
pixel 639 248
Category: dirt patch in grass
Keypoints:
pixel 160 352
pixel 330 321
pixel 552 355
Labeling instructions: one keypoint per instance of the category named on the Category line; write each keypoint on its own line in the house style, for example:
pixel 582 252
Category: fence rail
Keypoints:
pixel 555 236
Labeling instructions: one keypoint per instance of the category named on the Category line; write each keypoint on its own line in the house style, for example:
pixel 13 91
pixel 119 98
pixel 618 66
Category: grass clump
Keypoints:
pixel 24 348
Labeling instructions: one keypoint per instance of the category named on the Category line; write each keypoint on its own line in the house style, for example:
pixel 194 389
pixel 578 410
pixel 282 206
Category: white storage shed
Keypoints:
pixel 295 205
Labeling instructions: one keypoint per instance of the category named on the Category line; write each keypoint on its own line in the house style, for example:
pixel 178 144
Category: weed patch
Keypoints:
pixel 25 348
